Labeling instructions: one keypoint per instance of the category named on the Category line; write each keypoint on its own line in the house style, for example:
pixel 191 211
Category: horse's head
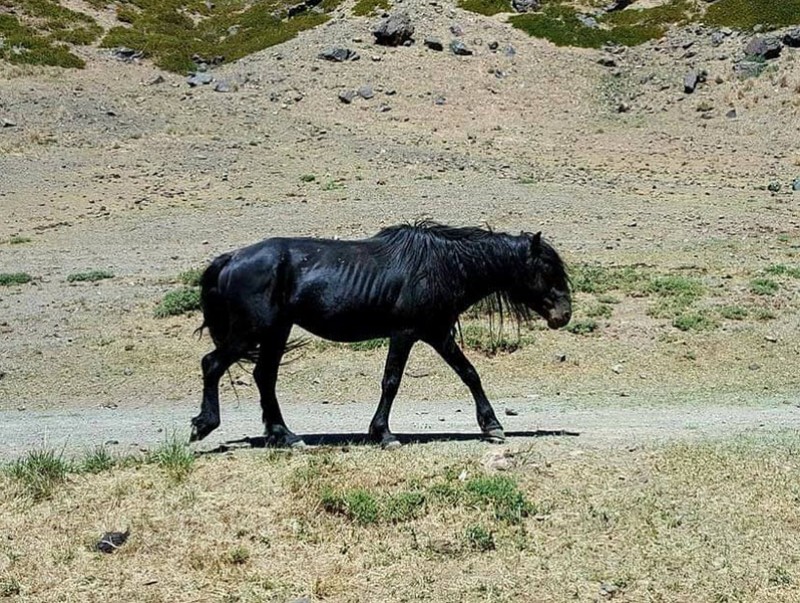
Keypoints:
pixel 546 288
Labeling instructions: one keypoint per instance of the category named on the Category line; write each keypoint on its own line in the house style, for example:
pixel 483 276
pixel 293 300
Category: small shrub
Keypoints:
pixel 601 279
pixel 582 327
pixel 191 277
pixel 693 322
pixel 764 286
pixel 14 278
pixel 180 301
pixel 90 276
pixel 174 457
pixel 764 314
pixel 783 270
pixel 489 341
pixel 238 555
pixel 97 461
pixel 19 240
pixel 733 312
pixel 501 494
pixel 675 286
pixel 40 472
pixel 10 587
pixel 779 576
pixel 599 311
pixel 479 538
pixel 308 178
pixel 403 506
pixel 746 14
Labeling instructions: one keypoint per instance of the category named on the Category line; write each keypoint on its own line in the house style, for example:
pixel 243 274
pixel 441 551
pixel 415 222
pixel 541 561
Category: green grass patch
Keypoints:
pixel 238 555
pixel 479 538
pixel 733 312
pixel 368 345
pixel 694 321
pixel 8 279
pixel 501 495
pixel 602 279
pixel 746 14
pixel 763 314
pixel 175 457
pixel 559 23
pixel 364 508
pixel 490 341
pixel 19 240
pixel 91 276
pixel 675 286
pixel 39 473
pixel 364 8
pixel 180 301
pixel 171 31
pixel 783 270
pixel 486 7
pixel 764 286
pixel 26 45
pixel 585 326
pixel 97 461
pixel 191 277
pixel 599 311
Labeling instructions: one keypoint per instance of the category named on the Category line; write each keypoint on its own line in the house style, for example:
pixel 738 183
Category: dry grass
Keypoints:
pixel 713 521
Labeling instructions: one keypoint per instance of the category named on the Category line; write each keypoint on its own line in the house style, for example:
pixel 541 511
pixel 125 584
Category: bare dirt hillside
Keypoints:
pixel 102 169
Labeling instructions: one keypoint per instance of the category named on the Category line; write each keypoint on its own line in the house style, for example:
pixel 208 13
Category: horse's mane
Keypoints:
pixel 436 245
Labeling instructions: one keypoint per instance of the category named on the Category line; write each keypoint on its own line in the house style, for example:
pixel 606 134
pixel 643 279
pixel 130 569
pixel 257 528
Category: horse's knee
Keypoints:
pixel 390 384
pixel 471 378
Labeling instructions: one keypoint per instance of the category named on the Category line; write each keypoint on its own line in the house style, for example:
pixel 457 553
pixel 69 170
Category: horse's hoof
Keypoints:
pixel 391 444
pixel 495 436
pixel 298 444
pixel 193 437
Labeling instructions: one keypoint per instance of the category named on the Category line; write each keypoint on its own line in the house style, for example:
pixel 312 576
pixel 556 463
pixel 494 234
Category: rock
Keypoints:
pixel 748 68
pixel 588 21
pixel 223 86
pixel 623 107
pixel 395 30
pixel 767 47
pixel 618 5
pixel 774 186
pixel 510 412
pixel 434 44
pixel 302 7
pixel 717 38
pixel 123 53
pixel 690 81
pixel 525 6
pixel 366 92
pixel 439 100
pixel 796 184
pixel 510 51
pixel 617 368
pixel 339 55
pixel 608 590
pixel 792 38
pixel 111 541
pixel 498 461
pixel 7 123
pixel 607 61
pixel 199 79
pixel 493 45
pixel 731 114
pixel 159 79
pixel 347 96
pixel 456 30
pixel 459 48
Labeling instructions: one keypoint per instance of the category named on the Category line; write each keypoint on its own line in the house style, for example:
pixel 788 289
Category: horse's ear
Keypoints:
pixel 536 240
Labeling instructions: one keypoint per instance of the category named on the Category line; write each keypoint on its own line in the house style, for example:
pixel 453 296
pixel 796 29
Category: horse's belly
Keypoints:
pixel 349 327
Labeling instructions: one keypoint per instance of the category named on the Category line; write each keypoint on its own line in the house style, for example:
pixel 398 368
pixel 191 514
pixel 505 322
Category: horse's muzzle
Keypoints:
pixel 556 321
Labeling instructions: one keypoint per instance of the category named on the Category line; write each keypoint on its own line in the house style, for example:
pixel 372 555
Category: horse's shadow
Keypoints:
pixel 358 439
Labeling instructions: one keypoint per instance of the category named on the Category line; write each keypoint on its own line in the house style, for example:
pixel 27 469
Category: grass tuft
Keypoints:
pixel 764 286
pixel 368 345
pixel 582 327
pixel 97 461
pixel 746 14
pixel 14 278
pixel 175 457
pixel 19 240
pixel 180 301
pixel 733 312
pixel 364 8
pixel 10 587
pixel 501 494
pixel 694 321
pixel 783 270
pixel 191 277
pixel 39 473
pixel 358 505
pixel 90 276
pixel 486 7
pixel 479 538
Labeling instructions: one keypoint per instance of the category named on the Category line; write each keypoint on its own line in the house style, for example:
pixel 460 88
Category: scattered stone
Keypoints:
pixel 7 123
pixel 223 86
pixel 459 48
pixel 493 45
pixel 456 30
pixel 731 114
pixel 498 461
pixel 384 109
pixel 796 184
pixel 792 38
pixel 618 5
pixel 749 68
pixel 347 96
pixel 717 38
pixel 588 21
pixel 213 61
pixel 395 30
pixel 771 338
pixel 691 79
pixel 339 55
pixel 608 589
pixel 510 51
pixel 302 7
pixel 511 412
pixel 607 61
pixel 560 357
pixel 774 186
pixel 123 53
pixel 623 107
pixel 434 44
pixel 111 541
pixel 199 79
pixel 159 79
pixel 439 100
pixel 617 368
pixel 767 47
pixel 366 92
pixel 525 6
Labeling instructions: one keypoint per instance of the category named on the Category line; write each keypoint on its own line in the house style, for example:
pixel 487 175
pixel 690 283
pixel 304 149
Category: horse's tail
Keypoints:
pixel 216 315
pixel 212 301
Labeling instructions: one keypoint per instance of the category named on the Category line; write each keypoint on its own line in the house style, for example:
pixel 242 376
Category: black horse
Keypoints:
pixel 408 283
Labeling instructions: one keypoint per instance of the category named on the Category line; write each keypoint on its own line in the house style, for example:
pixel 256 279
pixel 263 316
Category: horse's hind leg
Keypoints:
pixel 487 420
pixel 399 349
pixel 266 376
pixel 214 366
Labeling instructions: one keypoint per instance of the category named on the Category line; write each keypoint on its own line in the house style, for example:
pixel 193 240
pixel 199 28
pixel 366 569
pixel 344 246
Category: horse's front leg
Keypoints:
pixel 487 420
pixel 265 375
pixel 214 365
pixel 399 349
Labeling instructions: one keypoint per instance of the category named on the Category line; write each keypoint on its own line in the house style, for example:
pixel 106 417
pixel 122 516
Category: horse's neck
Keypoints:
pixel 493 269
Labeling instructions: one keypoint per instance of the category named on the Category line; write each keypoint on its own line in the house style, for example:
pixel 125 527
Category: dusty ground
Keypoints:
pixel 104 172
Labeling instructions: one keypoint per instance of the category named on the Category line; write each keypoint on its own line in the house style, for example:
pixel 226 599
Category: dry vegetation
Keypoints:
pixel 712 521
